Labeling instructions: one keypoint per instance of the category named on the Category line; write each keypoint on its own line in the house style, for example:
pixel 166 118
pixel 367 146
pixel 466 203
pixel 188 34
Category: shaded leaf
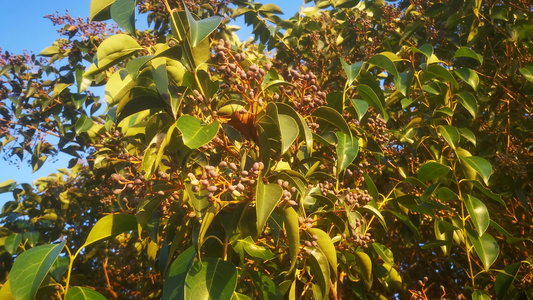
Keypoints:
pixel 527 72
pixel 505 280
pixel 384 252
pixel 12 243
pixel 364 267
pixel 352 71
pixel 368 94
pixel 175 280
pixel 384 62
pixel 211 278
pixel 288 128
pixel 482 166
pixel 264 286
pixel 467 52
pixel 123 12
pixel 292 231
pixel 201 29
pixel 468 76
pixel 443 73
pixel 451 135
pixel 468 101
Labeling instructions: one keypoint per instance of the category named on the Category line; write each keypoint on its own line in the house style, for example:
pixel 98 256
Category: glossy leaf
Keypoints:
pixel 479 214
pixel 83 293
pixel 486 248
pixel 201 29
pixel 384 62
pixel 469 102
pixel 5 291
pixel 123 12
pixel 384 252
pixel 289 131
pixel 12 243
pixel 451 135
pixel 326 245
pixel 347 149
pixel 111 225
pixel 292 230
pixel 368 94
pixel 443 73
pixel 480 295
pixel 84 124
pixel 195 133
pixel 175 280
pixel 320 270
pixel 505 280
pixel 7 186
pixel 527 72
pixel 467 52
pixel 113 50
pixel 482 166
pixel 363 264
pixel 30 269
pixel 361 107
pixel 331 116
pixel 432 170
pixel 100 10
pixel 268 196
pixel 264 286
pixel 468 76
pixel 211 278
pixel 255 250
pixel 352 71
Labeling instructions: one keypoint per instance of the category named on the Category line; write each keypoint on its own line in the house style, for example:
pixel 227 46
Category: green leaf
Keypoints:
pixel 486 247
pixel 527 72
pixel 118 85
pixel 352 71
pixel 268 196
pixel 388 276
pixel 347 149
pixel 175 280
pixel 111 225
pixel 271 8
pixel 363 265
pixel 83 293
pixel 479 214
pixel 7 186
pixel 505 279
pixel 5 291
pixel 403 82
pixel 123 12
pixel 467 52
pixel 480 295
pixel 469 135
pixel 368 94
pixel 384 253
pixel 30 269
pixel 361 107
pixel 239 296
pixel 255 250
pixel 469 76
pixel 302 124
pixel 384 62
pixel 195 133
pixel 100 10
pixel 201 29
pixel 432 170
pixel 31 237
pixel 160 75
pixel 326 245
pixel 451 135
pixel 59 268
pixel 264 286
pixel 333 117
pixel 12 243
pixel 440 71
pixel 288 128
pixel 111 51
pixel 482 166
pixel 468 101
pixel 211 278
pixel 320 270
pixel 377 213
pixel 83 124
pixel 292 231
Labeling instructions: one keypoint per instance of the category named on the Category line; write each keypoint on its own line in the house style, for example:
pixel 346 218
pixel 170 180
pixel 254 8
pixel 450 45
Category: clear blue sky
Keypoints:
pixel 24 28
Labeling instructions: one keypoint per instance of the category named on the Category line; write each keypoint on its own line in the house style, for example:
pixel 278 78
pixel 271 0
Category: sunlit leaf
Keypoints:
pixel 368 94
pixel 111 225
pixel 83 293
pixel 268 196
pixel 347 149
pixel 450 134
pixel 384 252
pixel 479 214
pixel 326 245
pixel 100 10
pixel 195 132
pixel 432 170
pixel 30 269
pixel 468 101
pixel 482 166
pixel 486 247
pixel 175 280
pixel 201 29
pixel 467 52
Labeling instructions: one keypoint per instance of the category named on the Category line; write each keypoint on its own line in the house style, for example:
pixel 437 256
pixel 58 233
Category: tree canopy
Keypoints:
pixel 356 150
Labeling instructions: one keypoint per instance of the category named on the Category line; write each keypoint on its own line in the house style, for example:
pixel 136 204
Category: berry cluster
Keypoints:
pixel 288 191
pixel 304 92
pixel 357 198
pixel 378 127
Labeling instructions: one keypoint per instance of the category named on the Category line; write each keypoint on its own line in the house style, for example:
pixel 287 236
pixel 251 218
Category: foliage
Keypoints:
pixel 355 150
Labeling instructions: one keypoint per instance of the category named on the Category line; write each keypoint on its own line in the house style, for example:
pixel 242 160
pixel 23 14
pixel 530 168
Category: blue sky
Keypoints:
pixel 24 28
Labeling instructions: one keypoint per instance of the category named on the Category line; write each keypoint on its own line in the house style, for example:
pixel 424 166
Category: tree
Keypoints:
pixel 355 150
